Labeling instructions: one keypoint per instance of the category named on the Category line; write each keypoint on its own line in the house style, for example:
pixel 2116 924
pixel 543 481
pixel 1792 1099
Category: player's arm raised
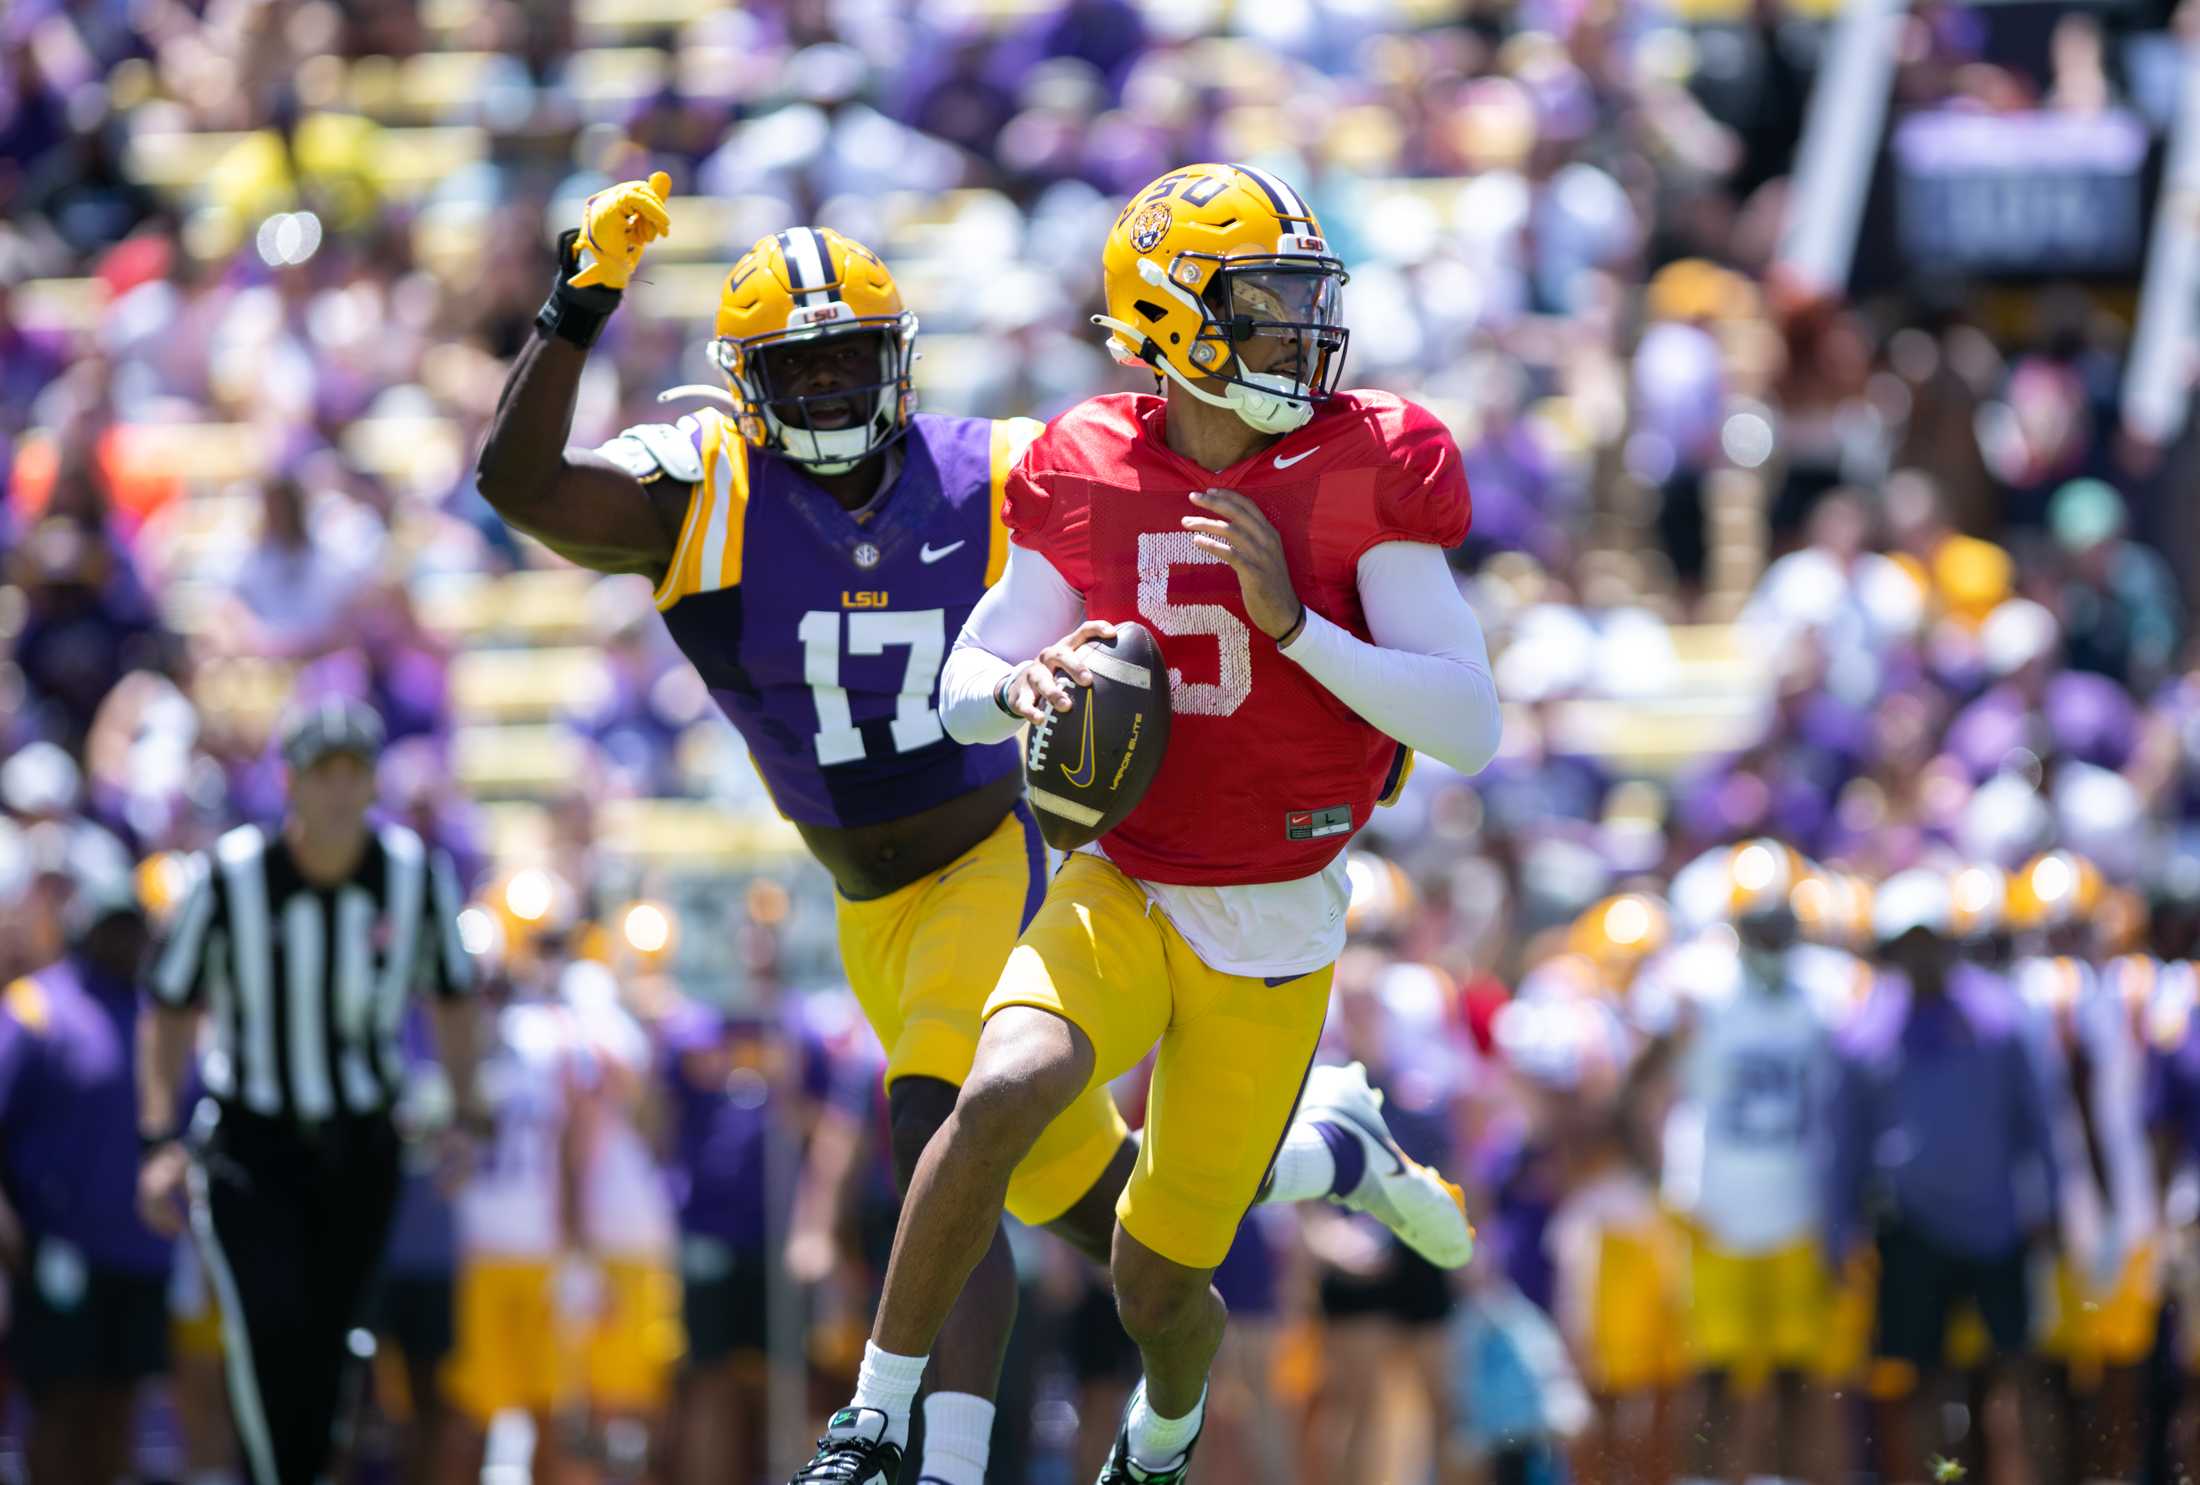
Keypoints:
pixel 579 504
pixel 1425 680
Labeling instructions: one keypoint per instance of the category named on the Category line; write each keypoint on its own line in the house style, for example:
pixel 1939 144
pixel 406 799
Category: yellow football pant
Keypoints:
pixel 1233 1050
pixel 921 961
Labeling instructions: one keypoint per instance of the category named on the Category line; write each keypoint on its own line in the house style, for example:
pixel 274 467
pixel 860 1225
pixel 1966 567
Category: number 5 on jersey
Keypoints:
pixel 1160 553
pixel 916 724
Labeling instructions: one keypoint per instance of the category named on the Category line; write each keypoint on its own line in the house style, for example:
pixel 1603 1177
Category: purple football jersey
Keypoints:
pixel 821 632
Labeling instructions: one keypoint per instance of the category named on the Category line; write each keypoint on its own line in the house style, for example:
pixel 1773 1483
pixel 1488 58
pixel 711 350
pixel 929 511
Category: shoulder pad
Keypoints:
pixel 650 450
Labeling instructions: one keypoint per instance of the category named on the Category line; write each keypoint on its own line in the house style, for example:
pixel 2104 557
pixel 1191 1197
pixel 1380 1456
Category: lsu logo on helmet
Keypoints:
pixel 1152 225
pixel 798 288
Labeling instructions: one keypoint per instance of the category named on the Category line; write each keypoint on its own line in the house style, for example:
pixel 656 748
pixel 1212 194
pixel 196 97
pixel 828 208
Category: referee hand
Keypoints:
pixel 160 1189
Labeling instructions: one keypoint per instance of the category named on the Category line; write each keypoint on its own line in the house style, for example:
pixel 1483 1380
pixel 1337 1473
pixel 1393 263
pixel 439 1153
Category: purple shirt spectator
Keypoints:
pixel 423 1241
pixel 2081 715
pixel 1524 1181
pixel 69 1115
pixel 1785 785
pixel 1940 1114
pixel 2173 1089
pixel 29 359
pixel 723 1116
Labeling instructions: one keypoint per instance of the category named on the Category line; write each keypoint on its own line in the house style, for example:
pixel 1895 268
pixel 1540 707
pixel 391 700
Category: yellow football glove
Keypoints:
pixel 615 226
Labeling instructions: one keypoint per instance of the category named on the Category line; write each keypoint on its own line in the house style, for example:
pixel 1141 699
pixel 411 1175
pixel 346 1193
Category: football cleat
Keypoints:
pixel 1121 1469
pixel 854 1451
pixel 1427 1212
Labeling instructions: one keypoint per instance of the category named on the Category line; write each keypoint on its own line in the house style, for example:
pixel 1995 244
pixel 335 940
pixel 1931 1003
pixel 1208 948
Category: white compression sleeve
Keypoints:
pixel 1031 607
pixel 1426 679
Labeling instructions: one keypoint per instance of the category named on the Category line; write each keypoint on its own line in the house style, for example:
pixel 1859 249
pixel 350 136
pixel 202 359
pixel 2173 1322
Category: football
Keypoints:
pixel 1086 769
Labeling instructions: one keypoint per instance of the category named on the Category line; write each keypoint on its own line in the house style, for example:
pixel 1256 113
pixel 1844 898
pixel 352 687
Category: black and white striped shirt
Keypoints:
pixel 307 986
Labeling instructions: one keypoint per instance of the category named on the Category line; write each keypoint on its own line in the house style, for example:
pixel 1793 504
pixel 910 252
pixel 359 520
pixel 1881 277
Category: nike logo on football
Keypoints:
pixel 1283 463
pixel 1087 760
pixel 926 555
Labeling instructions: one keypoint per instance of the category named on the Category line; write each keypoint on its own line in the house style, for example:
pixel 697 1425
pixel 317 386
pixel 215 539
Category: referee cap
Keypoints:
pixel 333 724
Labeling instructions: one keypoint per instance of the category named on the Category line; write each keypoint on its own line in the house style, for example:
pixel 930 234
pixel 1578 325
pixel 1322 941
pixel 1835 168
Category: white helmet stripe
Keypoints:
pixel 806 265
pixel 1281 188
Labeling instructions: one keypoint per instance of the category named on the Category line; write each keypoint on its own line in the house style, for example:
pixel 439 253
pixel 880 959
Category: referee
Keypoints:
pixel 302 948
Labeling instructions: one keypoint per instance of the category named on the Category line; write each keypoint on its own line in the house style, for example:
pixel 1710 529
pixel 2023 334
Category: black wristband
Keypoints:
pixel 148 1143
pixel 1294 631
pixel 1000 692
pixel 575 313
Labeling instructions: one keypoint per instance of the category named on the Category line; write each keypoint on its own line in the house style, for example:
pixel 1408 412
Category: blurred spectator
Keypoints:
pixel 411 1307
pixel 291 590
pixel 88 1280
pixel 2036 709
pixel 1962 577
pixel 29 359
pixel 86 624
pixel 1941 1122
pixel 1830 433
pixel 724 1107
pixel 1854 602
pixel 1680 392
pixel 2120 607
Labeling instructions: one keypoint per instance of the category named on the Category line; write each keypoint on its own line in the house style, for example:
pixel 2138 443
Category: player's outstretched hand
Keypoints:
pixel 616 224
pixel 1035 687
pixel 1240 535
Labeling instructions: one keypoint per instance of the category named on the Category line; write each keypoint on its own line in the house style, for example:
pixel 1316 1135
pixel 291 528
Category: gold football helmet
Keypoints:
pixel 1209 259
pixel 1760 875
pixel 1980 894
pixel 802 288
pixel 1618 934
pixel 2059 889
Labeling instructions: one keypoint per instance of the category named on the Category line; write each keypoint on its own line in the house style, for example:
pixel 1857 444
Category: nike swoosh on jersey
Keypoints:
pixel 926 555
pixel 1087 760
pixel 1283 463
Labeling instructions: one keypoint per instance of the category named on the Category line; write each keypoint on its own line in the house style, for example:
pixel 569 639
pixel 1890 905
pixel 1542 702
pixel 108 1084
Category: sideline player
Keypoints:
pixel 2105 1297
pixel 1286 543
pixel 814 552
pixel 1754 1057
pixel 517 1211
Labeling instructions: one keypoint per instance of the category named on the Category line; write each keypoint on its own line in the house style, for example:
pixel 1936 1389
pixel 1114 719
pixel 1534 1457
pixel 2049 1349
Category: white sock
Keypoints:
pixel 958 1437
pixel 1305 1168
pixel 889 1383
pixel 1157 1442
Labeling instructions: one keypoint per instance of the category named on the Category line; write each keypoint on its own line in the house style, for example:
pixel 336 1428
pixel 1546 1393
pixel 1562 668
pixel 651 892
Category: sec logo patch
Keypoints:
pixel 1150 226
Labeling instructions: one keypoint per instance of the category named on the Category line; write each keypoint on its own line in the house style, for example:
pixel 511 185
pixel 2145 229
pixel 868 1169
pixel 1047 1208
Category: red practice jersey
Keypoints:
pixel 1267 774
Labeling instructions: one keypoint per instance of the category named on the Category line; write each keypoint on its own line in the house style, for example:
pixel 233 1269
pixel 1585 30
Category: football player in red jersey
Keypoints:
pixel 1285 543
pixel 751 523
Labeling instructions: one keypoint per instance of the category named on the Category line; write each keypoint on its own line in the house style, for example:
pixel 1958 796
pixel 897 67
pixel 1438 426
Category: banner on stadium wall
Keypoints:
pixel 2025 193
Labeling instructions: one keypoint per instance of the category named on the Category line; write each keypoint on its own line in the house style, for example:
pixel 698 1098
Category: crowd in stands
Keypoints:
pixel 1883 579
